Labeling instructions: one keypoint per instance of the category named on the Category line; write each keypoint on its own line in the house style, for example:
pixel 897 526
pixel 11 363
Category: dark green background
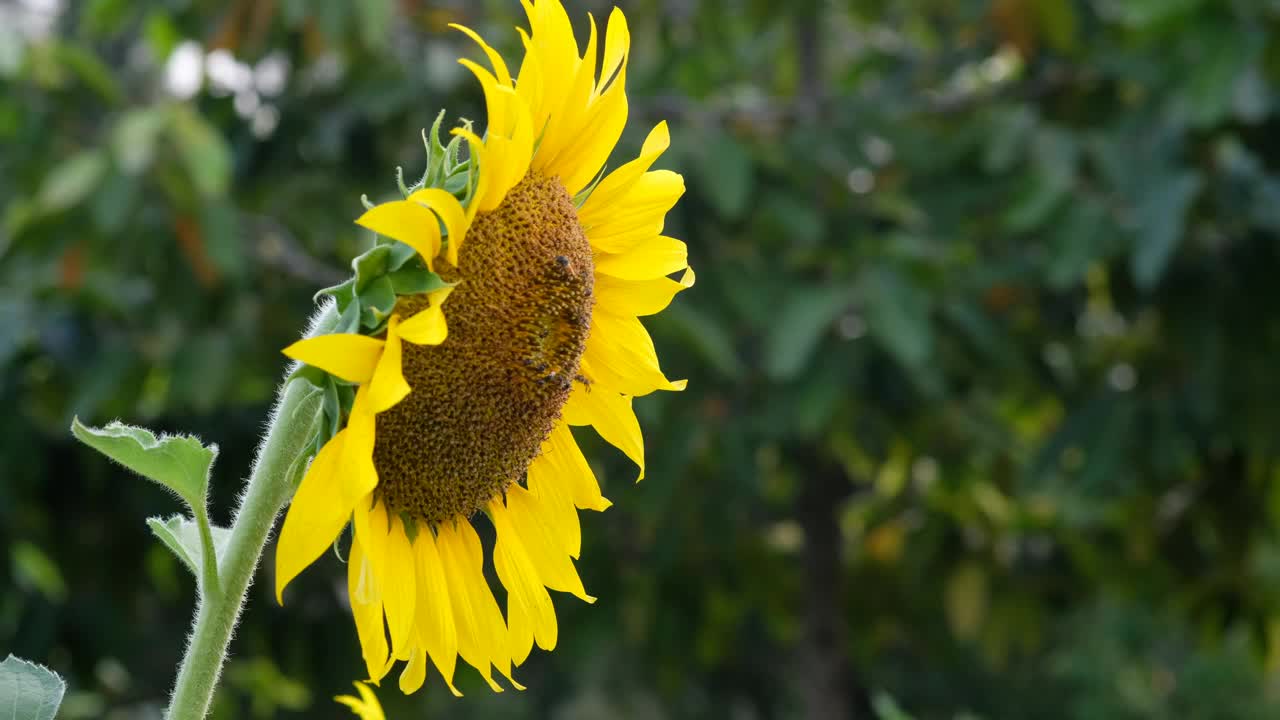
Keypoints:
pixel 983 403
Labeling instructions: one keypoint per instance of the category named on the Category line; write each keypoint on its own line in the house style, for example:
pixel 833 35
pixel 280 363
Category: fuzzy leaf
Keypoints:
pixel 29 691
pixel 179 462
pixel 182 536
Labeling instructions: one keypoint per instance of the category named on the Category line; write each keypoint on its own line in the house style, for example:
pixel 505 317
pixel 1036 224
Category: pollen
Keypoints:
pixel 483 401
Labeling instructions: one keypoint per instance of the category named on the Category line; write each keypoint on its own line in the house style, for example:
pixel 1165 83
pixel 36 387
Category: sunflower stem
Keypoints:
pixel 271 483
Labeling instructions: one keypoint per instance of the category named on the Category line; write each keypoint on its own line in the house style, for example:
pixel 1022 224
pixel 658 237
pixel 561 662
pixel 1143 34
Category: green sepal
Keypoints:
pixel 581 198
pixel 181 463
pixel 349 320
pixel 401 254
pixel 458 184
pixel 342 293
pixel 414 281
pixel 436 153
pixel 451 164
pixel 332 407
pixel 377 301
pixel 29 691
pixel 181 535
pixel 410 526
pixel 370 265
pixel 313 375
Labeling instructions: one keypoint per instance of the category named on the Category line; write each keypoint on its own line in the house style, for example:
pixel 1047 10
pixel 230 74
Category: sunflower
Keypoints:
pixel 451 395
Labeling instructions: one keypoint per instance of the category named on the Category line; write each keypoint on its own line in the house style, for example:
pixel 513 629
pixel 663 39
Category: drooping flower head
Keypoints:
pixel 499 309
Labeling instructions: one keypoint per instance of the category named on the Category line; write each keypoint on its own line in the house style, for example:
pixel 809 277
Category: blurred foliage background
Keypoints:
pixel 982 414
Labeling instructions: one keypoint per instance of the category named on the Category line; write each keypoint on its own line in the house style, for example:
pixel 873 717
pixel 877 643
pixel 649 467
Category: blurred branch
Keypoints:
pixel 825 679
pixel 277 247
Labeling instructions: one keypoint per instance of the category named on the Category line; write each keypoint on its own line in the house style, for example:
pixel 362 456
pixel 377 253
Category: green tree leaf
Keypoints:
pixel 178 462
pixel 72 181
pixel 28 691
pixel 1161 218
pixel 805 316
pixel 203 150
pixel 181 534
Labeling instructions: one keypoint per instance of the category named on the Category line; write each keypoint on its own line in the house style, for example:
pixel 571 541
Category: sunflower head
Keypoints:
pixel 498 308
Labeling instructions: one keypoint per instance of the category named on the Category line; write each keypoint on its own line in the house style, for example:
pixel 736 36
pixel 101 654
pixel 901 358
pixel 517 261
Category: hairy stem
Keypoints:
pixel 289 435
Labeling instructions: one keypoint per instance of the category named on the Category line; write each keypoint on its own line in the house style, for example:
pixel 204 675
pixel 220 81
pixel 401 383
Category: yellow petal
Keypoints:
pixel 481 631
pixel 554 491
pixel 527 597
pixel 620 355
pixel 408 222
pixel 617 184
pixel 436 630
pixel 565 460
pixel 656 257
pixel 366 609
pixel 637 216
pixel 388 386
pixel 344 355
pixel 315 516
pixel 617 45
pixel 358 474
pixel 451 213
pixel 415 672
pixel 611 415
pixel 480 161
pixel 366 707
pixel 530 519
pixel 557 52
pixel 428 327
pixel 638 297
pixel 499 67
pixel 398 589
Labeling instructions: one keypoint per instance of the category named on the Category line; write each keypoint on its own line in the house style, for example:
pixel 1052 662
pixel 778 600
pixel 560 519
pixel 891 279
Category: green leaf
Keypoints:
pixel 181 535
pixel 33 568
pixel 179 462
pixel 725 171
pixel 71 181
pixel 1161 218
pixel 135 137
pixel 203 151
pixel 898 317
pixel 28 691
pixel 805 316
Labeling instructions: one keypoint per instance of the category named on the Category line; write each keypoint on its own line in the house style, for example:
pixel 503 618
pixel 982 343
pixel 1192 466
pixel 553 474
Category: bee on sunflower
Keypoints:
pixel 499 308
